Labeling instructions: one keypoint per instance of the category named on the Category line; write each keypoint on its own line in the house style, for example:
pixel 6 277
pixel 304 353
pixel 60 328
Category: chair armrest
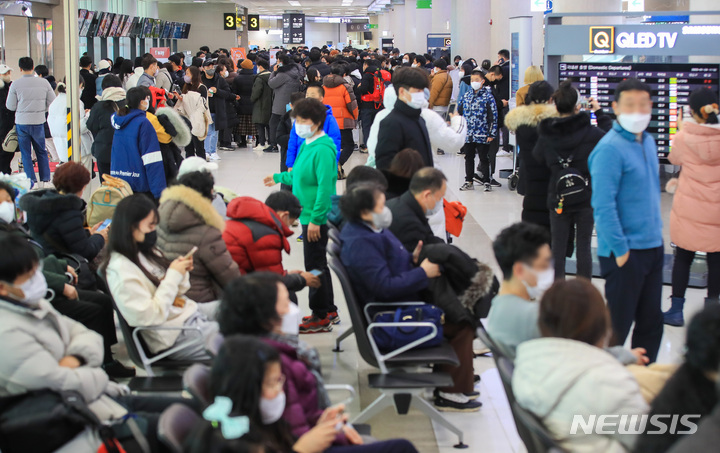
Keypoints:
pixel 382 358
pixel 167 352
pixel 387 304
pixel 339 387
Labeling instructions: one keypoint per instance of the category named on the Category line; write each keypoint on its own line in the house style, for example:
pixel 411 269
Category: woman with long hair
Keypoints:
pixel 149 289
pixel 193 105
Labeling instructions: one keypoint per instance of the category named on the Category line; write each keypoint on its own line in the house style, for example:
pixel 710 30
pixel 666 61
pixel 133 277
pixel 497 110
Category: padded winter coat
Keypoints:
pixel 194 106
pixel 57 222
pixel 402 128
pixel 409 223
pixel 340 97
pixel 695 216
pixel 261 98
pixel 188 219
pixel 284 82
pixel 218 101
pixel 243 86
pixel 100 125
pixel 441 88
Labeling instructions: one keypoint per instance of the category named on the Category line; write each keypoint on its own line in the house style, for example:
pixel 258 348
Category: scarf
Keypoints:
pixel 113 94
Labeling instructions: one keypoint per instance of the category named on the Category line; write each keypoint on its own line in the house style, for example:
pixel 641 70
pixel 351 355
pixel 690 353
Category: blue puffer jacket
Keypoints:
pixel 136 155
pixel 474 107
pixel 331 129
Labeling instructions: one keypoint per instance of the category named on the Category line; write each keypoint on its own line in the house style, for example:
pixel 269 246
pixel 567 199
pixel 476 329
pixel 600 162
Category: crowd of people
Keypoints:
pixel 195 264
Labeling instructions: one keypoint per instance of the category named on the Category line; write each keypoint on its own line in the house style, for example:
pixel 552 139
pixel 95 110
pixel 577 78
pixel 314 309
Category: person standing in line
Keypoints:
pixel 695 216
pixel 503 87
pixel 30 97
pixel 625 172
pixel 193 105
pixel 262 99
pixel 479 109
pixel 218 92
pixel 284 81
pixel 370 102
pixel 441 87
pixel 150 70
pixel 99 121
pixel 532 74
pixel 494 77
pixel 88 93
pixel 243 86
pixel 340 96
pixel 7 117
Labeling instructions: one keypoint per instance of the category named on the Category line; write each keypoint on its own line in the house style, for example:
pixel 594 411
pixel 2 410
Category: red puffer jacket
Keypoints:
pixel 255 237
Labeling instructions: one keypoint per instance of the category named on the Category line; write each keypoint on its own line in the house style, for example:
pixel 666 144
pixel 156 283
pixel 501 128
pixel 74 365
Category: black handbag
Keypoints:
pixel 41 421
pixel 391 338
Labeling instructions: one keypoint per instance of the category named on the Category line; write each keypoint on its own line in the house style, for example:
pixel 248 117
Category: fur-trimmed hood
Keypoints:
pixel 182 135
pixel 529 115
pixel 480 286
pixel 182 207
pixel 45 205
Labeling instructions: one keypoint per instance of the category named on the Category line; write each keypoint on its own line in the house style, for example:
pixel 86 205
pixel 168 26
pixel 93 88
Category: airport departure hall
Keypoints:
pixel 359 226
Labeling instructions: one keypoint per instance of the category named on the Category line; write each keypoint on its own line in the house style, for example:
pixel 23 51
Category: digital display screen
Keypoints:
pixel 671 85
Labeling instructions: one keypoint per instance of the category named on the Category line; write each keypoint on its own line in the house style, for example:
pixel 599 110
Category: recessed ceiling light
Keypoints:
pixel 294 3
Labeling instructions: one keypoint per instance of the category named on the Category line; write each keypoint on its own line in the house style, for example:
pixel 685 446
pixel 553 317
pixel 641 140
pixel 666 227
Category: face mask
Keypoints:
pixel 434 210
pixel 7 211
pixel 476 85
pixel 291 321
pixel 415 65
pixel 156 72
pixel 634 122
pixel 272 410
pixel 225 74
pixel 383 220
pixel 461 74
pixel 304 130
pixel 306 79
pixel 34 289
pixel 417 100
pixel 149 242
pixel 144 105
pixel 210 73
pixel 187 79
pixel 288 107
pixel 545 279
pixel 406 61
pixel 280 65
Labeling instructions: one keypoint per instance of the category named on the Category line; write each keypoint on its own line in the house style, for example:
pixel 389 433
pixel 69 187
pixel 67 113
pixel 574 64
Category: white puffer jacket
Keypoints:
pixel 57 122
pixel 194 107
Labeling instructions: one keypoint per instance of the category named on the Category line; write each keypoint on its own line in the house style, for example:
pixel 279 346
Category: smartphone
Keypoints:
pixel 451 109
pixel 176 89
pixel 104 225
pixel 191 252
pixel 584 103
pixel 316 272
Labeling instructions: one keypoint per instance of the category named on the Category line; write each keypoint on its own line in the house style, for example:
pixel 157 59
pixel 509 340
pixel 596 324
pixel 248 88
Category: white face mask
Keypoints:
pixel 7 211
pixel 476 85
pixel 226 74
pixel 304 130
pixel 291 321
pixel 545 279
pixel 417 100
pixel 34 289
pixel 272 410
pixel 634 122
pixel 415 65
pixel 434 210
pixel 382 220
pixel 144 105
pixel 436 70
pixel 405 60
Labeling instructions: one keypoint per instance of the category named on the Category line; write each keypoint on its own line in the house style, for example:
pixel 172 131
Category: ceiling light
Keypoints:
pixel 294 3
pixel 199 1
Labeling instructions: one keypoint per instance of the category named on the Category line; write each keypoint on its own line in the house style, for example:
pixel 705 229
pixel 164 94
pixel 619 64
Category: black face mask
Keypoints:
pixel 148 243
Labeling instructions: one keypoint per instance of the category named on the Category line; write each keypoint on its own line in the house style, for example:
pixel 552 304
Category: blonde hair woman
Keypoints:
pixel 532 74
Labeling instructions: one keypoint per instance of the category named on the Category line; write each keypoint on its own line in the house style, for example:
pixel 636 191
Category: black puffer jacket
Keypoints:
pixel 534 175
pixel 409 223
pixel 561 138
pixel 321 67
pixel 7 117
pixel 57 222
pixel 402 128
pixel 101 127
pixel 218 101
pixel 397 185
pixel 243 87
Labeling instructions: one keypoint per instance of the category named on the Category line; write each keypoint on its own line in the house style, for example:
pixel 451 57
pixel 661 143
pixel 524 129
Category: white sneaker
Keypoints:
pixel 214 157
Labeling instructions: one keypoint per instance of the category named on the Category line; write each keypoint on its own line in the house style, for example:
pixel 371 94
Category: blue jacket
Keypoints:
pixel 331 129
pixel 136 155
pixel 379 266
pixel 625 192
pixel 464 88
pixel 474 107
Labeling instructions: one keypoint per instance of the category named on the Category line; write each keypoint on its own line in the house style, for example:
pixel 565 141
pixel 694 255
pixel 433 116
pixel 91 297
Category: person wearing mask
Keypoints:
pixel 7 117
pixel 441 87
pixel 225 136
pixel 534 174
pixel 42 71
pixel 284 80
pixel 243 86
pixel 404 127
pixel 99 121
pixel 532 74
pixel 465 79
pixel 481 113
pixel 135 155
pixel 256 235
pixel 218 93
pixel 626 201
pixel 525 259
pixel 193 105
pixel 567 369
pixel 104 68
pixel 342 102
pixel 57 124
pixel 410 211
pixel 566 142
pixel 380 268
pixel 173 134
pixel 503 88
pixel 163 78
pixel 149 289
pixel 150 70
pixel 313 180
pixel 126 71
pixel 30 97
pixel 694 221
pixel 188 219
pixel 261 99
pixel 56 216
pixel 370 102
pixel 494 78
pixel 177 73
pixel 330 127
pixel 419 62
pixel 87 96
pixel 318 64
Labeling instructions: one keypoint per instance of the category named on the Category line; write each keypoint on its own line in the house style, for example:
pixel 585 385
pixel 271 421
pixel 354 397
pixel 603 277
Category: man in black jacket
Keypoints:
pixel 100 124
pixel 503 88
pixel 411 210
pixel 365 89
pixel 88 93
pixel 317 63
pixel 404 127
pixel 218 93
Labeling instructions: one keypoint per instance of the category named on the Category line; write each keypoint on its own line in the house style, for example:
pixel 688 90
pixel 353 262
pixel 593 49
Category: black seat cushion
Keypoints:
pixel 409 380
pixel 440 355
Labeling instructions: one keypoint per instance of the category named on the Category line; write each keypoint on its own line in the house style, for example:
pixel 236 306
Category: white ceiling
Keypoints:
pixel 308 7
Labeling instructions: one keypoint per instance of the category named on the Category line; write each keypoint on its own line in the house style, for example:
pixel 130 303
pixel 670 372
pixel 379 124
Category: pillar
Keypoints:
pixel 441 10
pixel 397 26
pixel 469 28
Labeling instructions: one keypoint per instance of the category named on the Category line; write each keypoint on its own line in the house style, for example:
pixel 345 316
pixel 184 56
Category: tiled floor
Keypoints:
pixel 490 430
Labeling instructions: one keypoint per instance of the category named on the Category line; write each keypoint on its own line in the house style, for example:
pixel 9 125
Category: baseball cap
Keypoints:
pixel 194 163
pixel 104 64
pixel 209 62
pixel 4 69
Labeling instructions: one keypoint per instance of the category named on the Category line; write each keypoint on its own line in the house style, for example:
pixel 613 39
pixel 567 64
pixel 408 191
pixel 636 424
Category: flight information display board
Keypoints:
pixel 671 85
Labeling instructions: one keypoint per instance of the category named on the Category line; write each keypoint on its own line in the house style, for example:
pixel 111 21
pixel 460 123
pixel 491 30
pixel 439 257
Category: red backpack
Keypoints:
pixel 378 94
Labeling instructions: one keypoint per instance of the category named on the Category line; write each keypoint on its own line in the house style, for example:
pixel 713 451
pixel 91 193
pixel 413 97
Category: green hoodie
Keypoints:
pixel 313 179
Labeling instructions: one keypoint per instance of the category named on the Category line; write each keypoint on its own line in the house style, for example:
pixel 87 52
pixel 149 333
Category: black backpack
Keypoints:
pixel 571 187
